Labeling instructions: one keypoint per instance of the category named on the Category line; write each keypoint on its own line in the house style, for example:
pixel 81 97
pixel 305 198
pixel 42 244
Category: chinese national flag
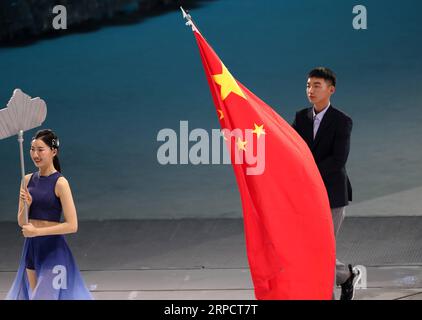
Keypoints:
pixel 287 218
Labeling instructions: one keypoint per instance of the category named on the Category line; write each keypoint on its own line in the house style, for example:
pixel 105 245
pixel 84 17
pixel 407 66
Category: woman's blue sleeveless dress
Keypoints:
pixel 58 276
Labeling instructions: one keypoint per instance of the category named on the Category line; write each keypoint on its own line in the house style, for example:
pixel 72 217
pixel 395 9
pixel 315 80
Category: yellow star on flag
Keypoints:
pixel 258 130
pixel 241 145
pixel 228 84
pixel 221 114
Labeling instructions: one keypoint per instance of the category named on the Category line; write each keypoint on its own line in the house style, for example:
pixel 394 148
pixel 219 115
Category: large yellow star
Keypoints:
pixel 228 84
pixel 258 130
pixel 241 145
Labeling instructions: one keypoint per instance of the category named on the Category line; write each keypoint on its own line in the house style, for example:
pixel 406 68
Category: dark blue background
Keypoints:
pixel 109 92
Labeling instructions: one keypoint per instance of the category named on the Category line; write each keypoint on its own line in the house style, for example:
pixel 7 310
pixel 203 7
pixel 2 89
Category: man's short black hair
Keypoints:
pixel 323 73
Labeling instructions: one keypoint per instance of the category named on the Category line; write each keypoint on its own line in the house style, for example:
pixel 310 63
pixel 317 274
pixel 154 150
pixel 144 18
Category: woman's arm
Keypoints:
pixel 24 195
pixel 70 224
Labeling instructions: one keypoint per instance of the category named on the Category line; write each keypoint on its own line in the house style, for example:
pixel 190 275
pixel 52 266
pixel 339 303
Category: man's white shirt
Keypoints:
pixel 318 118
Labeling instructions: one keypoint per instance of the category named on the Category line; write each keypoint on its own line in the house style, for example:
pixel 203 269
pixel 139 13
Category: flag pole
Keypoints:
pixel 189 19
pixel 20 140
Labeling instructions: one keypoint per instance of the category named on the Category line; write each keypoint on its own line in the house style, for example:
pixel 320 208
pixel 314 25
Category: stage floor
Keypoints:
pixel 206 259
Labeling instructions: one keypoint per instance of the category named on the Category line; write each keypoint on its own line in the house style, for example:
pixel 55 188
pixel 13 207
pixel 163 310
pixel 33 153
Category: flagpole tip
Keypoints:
pixel 188 17
pixel 185 14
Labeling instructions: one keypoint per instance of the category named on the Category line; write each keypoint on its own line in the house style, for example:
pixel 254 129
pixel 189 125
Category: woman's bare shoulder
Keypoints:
pixel 62 182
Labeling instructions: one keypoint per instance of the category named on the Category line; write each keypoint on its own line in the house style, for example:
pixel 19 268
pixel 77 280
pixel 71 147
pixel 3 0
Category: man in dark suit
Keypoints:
pixel 327 132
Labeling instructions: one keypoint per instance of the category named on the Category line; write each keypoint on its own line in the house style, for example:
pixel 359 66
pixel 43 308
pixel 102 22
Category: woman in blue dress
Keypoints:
pixel 47 269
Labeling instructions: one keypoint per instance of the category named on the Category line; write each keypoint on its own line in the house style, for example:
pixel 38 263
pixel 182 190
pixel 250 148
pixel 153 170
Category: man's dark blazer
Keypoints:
pixel 330 149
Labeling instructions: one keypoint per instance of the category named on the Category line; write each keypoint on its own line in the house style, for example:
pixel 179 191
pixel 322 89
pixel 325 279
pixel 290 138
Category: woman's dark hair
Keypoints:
pixel 51 140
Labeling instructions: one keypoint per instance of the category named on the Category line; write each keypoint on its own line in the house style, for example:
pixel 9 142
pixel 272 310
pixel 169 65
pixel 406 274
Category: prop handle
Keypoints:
pixel 20 140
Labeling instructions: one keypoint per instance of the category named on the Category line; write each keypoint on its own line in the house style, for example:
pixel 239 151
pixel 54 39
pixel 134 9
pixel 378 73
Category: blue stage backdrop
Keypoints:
pixel 110 91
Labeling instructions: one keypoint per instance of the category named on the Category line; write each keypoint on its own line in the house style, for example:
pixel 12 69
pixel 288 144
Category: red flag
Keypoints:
pixel 287 218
